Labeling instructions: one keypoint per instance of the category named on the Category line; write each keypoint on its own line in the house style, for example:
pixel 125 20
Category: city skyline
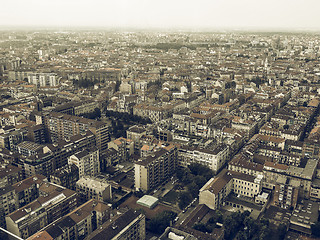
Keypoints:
pixel 296 15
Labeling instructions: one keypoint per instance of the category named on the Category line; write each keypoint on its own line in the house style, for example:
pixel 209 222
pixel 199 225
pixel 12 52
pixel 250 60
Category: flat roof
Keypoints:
pixel 148 201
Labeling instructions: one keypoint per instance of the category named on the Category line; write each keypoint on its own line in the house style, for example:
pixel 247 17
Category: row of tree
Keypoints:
pixel 193 177
pixel 96 114
pixel 84 83
pixel 161 221
pixel 241 226
pixel 127 118
pixel 211 223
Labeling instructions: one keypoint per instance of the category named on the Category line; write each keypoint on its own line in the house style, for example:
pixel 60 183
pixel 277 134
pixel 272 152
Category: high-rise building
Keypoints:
pixel 87 162
pixel 54 202
pixel 63 126
pixel 152 170
pixel 79 223
pixel 43 79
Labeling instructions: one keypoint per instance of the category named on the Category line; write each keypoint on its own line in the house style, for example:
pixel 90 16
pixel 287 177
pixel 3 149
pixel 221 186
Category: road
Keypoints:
pixel 183 215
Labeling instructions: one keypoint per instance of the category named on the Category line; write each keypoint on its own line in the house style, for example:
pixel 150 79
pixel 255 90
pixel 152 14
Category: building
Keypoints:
pixel 88 188
pixel 124 147
pixel 7 203
pixel 10 174
pixel 27 190
pixel 55 155
pixel 214 158
pixel 79 223
pixel 135 133
pixel 53 203
pixel 66 176
pixel 286 192
pixel 28 148
pixel 152 170
pixel 173 233
pixel 128 226
pixel 109 158
pixel 214 193
pixel 63 126
pixel 43 79
pixel 304 216
pixel 87 161
pixel 37 134
pixel 10 139
pixel 148 201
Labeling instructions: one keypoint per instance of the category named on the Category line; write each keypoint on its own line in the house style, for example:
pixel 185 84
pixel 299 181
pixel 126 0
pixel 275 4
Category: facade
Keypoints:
pixel 135 133
pixel 109 158
pixel 87 161
pixel 152 170
pixel 88 188
pixel 7 203
pixel 10 139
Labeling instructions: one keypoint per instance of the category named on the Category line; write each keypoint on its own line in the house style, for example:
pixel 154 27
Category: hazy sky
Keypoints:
pixel 215 14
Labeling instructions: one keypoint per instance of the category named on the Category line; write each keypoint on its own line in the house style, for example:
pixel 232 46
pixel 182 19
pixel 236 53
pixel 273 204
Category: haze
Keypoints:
pixel 212 14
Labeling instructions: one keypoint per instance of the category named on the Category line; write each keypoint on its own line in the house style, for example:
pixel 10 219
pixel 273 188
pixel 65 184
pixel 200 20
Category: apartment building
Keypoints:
pixel 53 203
pixel 43 79
pixel 66 176
pixel 89 188
pixel 63 149
pixel 214 158
pixel 286 192
pixel 87 161
pixel 305 175
pixel 79 223
pixel 152 170
pixel 10 174
pixel 124 147
pixel 7 203
pixel 64 126
pixel 135 133
pixel 128 226
pixel 155 113
pixel 242 165
pixel 27 190
pixel 37 134
pixel 10 139
pixel 77 108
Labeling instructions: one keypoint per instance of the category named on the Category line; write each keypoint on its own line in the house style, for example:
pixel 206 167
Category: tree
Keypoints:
pixel 202 227
pixel 193 189
pixel 315 228
pixel 184 199
pixel 161 221
pixel 217 217
pixel 117 86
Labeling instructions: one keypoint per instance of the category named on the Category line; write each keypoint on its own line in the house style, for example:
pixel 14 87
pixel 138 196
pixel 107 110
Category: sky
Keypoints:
pixel 174 14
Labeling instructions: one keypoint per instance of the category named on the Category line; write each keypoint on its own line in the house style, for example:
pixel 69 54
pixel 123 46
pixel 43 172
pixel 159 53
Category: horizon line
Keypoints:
pixel 155 28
